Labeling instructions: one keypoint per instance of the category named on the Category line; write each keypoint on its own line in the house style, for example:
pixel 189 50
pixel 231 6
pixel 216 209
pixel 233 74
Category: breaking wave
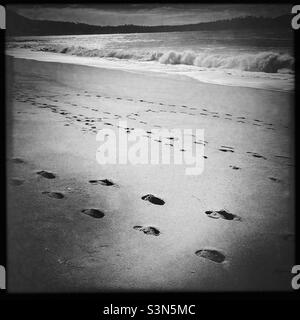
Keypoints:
pixel 269 62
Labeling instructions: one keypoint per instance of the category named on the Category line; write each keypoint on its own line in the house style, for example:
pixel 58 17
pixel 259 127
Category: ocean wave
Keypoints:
pixel 268 62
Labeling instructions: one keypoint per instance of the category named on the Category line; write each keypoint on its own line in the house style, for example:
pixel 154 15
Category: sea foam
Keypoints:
pixel 267 61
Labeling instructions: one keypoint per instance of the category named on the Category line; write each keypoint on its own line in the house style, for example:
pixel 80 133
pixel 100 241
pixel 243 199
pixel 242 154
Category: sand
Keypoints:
pixel 55 246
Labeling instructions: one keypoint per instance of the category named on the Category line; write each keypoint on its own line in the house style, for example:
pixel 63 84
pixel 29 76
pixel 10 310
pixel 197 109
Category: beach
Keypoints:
pixel 54 111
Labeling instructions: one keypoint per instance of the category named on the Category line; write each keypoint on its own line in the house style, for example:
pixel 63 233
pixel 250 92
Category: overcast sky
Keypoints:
pixel 144 14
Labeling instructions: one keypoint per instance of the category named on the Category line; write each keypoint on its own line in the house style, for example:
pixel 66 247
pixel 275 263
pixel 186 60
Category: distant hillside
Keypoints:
pixel 17 25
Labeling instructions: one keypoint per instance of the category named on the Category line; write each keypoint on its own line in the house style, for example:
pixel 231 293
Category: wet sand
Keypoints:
pixel 76 225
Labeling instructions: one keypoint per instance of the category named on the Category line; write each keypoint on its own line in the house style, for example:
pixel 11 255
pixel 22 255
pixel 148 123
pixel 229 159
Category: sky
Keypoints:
pixel 147 14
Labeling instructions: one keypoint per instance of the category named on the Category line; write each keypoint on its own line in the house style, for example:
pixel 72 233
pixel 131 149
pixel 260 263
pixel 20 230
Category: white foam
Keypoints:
pixel 231 77
pixel 266 61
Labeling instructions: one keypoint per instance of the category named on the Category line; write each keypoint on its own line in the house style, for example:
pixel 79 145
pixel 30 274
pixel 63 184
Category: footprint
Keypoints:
pixel 235 168
pixel 95 213
pixel 226 150
pixel 283 157
pixel 274 179
pixel 16 181
pixel 18 160
pixel 55 195
pixel 151 198
pixel 46 174
pixel 104 182
pixel 212 255
pixel 148 230
pixel 256 155
pixel 223 215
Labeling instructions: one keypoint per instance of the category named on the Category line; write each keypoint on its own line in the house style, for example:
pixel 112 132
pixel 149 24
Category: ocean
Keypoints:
pixel 261 59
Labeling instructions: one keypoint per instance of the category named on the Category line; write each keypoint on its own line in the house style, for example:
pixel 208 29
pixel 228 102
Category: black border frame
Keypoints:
pixel 89 305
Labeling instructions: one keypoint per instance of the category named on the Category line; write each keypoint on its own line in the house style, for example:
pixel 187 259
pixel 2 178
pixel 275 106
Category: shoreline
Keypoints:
pixel 128 82
pixel 221 77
